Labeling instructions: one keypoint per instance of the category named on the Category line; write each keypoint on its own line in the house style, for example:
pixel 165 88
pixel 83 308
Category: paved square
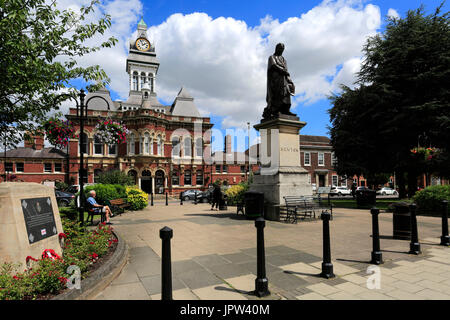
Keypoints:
pixel 214 257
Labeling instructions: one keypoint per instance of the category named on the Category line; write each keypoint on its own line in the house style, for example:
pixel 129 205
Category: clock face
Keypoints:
pixel 142 44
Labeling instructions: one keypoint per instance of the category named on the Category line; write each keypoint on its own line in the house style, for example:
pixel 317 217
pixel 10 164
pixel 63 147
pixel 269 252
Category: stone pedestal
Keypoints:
pixel 281 173
pixel 29 221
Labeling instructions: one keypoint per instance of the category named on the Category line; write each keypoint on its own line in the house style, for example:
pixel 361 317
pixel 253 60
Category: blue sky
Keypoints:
pixel 218 50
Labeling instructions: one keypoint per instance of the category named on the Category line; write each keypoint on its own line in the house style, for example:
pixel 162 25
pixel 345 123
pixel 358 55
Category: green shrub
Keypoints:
pixel 430 199
pixel 61 185
pixel 137 198
pixel 106 192
pixel 115 177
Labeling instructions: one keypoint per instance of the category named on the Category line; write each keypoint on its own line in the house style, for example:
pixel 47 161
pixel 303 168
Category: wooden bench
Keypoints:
pixel 304 205
pixel 118 205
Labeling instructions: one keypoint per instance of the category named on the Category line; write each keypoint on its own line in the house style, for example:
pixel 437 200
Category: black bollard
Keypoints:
pixel 166 264
pixel 167 199
pixel 377 257
pixel 195 198
pixel 327 266
pixel 181 200
pixel 445 239
pixel 414 246
pixel 261 282
pixel 151 198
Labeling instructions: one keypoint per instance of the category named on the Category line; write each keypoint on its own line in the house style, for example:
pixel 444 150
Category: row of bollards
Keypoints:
pixel 261 281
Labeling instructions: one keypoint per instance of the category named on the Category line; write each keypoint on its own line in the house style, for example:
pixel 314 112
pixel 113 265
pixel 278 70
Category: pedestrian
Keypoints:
pixel 216 196
pixel 353 190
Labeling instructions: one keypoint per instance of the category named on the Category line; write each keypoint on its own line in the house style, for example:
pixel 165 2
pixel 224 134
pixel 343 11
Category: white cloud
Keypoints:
pixel 222 62
pixel 392 13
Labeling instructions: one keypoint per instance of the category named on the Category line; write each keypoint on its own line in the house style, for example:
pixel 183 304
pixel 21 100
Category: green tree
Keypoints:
pixel 115 177
pixel 401 93
pixel 39 45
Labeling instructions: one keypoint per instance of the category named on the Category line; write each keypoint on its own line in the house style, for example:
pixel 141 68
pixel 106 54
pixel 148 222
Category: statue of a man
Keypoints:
pixel 280 87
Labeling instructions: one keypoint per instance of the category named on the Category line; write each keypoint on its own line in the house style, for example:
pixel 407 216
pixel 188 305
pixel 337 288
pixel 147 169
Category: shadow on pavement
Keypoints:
pixel 232 216
pixel 235 290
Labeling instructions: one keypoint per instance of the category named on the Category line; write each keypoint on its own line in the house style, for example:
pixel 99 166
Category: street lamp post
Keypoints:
pixel 248 156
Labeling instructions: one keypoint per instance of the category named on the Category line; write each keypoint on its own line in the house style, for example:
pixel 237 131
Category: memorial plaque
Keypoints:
pixel 323 190
pixel 39 218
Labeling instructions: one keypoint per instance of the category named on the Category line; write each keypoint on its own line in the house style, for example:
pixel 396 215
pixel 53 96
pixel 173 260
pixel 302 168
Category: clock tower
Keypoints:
pixel 142 64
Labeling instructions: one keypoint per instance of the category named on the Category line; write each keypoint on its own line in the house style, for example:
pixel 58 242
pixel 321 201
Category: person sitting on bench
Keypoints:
pixel 98 207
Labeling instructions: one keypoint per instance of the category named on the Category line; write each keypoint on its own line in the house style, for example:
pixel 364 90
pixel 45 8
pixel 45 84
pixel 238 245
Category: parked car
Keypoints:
pixel 387 191
pixel 363 189
pixel 340 191
pixel 76 187
pixel 204 196
pixel 63 198
pixel 190 194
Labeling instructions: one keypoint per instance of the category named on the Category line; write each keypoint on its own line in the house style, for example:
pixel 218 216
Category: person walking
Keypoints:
pixel 216 196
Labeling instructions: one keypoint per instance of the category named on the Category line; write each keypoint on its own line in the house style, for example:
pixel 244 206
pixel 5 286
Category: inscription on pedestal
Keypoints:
pixel 39 218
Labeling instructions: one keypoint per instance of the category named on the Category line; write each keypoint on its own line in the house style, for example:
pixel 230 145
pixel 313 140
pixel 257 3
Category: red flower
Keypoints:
pixel 62 235
pixel 30 258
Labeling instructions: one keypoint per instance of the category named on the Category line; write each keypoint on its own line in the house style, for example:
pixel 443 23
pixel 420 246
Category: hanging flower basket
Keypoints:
pixel 424 153
pixel 59 132
pixel 111 132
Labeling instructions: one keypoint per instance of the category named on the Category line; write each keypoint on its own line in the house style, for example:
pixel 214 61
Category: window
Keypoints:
pixel 321 159
pixel 199 178
pixel 47 167
pixel 131 145
pixel 159 146
pixel 307 160
pixel 243 169
pixel 135 81
pixel 19 167
pixel 97 172
pixel 225 169
pixel 175 147
pixel 333 160
pixel 344 182
pixel 198 147
pixel 218 169
pixel 175 178
pixel 58 167
pixel 187 177
pixel 143 79
pixel 187 147
pixel 9 166
pixel 98 145
pixel 112 149
pixel 334 181
pixel 147 143
pixel 85 144
pixel 151 82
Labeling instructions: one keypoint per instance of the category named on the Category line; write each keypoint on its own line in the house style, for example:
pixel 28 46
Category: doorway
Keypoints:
pixel 146 181
pixel 321 180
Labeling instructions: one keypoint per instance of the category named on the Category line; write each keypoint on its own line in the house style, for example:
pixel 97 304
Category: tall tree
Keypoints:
pixel 39 45
pixel 402 92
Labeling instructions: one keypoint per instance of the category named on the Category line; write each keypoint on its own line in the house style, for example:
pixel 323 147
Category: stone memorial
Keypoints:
pixel 281 173
pixel 29 221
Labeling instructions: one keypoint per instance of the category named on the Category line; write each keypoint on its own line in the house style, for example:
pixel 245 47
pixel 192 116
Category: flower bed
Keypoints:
pixel 46 276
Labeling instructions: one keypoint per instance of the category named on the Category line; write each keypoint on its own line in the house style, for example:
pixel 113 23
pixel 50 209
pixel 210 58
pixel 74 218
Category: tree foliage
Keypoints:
pixel 401 99
pixel 39 47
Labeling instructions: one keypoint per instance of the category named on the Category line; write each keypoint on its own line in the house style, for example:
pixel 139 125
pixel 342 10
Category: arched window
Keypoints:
pixel 159 145
pixel 131 145
pixel 187 177
pixel 135 80
pixel 85 145
pixel 199 147
pixel 98 145
pixel 176 146
pixel 112 149
pixel 187 147
pixel 199 178
pixel 143 79
pixel 147 143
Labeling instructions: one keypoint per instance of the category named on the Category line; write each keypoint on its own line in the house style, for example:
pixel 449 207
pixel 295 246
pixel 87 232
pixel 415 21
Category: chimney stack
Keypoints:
pixel 228 144
pixel 35 141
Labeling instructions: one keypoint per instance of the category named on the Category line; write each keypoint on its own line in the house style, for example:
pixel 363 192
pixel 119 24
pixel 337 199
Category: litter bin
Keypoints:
pixel 254 204
pixel 401 221
pixel 366 198
pixel 223 205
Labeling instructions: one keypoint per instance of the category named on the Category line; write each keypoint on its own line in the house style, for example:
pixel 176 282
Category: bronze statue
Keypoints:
pixel 280 87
